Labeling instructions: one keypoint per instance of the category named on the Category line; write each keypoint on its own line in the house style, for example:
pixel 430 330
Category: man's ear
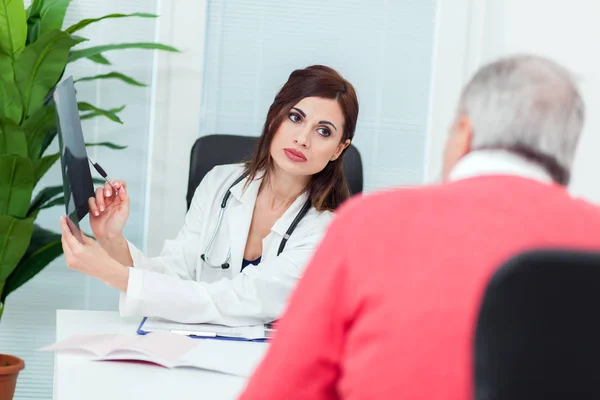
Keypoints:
pixel 458 144
pixel 464 134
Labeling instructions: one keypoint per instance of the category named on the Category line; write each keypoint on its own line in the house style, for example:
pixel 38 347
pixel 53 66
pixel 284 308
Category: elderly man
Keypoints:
pixel 386 309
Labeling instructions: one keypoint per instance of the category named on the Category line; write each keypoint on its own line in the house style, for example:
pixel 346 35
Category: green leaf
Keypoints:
pixel 12 139
pixel 110 145
pixel 13 30
pixel 43 197
pixel 99 59
pixel 6 67
pixel 92 51
pixel 33 215
pixel 14 240
pixel 16 185
pixel 54 202
pixel 113 75
pixel 34 20
pixel 96 114
pixel 39 67
pixel 43 248
pixel 34 8
pixel 110 114
pixel 13 27
pixel 45 16
pixel 10 99
pixel 47 197
pixel 41 166
pixel 48 140
pixel 38 127
pixel 85 22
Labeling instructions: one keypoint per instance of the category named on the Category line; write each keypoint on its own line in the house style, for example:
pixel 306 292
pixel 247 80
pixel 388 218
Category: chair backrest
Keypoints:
pixel 212 150
pixel 538 329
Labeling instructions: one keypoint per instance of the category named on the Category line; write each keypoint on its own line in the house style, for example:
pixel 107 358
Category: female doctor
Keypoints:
pixel 251 228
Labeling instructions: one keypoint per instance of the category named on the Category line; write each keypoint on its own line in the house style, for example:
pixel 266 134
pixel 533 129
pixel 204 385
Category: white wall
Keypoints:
pixel 452 64
pixel 566 31
pixel 176 118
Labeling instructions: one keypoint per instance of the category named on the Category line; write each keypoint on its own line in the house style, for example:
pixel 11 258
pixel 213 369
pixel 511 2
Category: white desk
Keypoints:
pixel 77 378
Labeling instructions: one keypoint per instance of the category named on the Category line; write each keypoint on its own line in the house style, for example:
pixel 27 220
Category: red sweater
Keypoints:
pixel 387 307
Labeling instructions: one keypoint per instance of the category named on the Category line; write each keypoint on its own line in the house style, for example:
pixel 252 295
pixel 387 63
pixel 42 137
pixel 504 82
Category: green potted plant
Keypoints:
pixel 34 52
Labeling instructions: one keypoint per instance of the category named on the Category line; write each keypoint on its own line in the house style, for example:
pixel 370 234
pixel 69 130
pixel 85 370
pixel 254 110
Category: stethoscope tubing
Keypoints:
pixel 305 208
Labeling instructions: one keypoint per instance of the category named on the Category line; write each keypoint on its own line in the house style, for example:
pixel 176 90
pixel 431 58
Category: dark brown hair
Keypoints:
pixel 328 188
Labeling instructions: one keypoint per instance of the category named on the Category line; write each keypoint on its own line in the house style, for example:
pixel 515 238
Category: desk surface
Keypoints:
pixel 77 378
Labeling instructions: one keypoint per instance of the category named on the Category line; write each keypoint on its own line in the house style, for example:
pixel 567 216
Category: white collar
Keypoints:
pixel 244 191
pixel 497 162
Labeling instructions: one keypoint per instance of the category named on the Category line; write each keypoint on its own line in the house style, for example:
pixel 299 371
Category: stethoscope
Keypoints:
pixel 287 235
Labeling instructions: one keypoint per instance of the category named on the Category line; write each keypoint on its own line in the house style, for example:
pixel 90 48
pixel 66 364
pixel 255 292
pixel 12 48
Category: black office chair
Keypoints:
pixel 538 329
pixel 212 150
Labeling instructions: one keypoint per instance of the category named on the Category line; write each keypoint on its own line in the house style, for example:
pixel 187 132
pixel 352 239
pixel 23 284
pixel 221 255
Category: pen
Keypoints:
pixel 101 171
pixel 206 334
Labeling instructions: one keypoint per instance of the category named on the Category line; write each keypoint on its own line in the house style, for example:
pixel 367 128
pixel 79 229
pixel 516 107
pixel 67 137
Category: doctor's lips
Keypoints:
pixel 295 155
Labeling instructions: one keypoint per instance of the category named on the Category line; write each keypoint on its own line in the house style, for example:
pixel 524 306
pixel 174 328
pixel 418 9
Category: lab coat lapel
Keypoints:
pixel 239 217
pixel 283 223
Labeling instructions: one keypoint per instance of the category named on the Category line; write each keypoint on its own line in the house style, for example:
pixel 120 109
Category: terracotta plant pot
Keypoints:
pixel 10 366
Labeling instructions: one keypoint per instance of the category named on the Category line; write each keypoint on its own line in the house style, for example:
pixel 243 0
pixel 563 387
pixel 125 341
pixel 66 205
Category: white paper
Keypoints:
pixel 163 348
pixel 229 357
pixel 169 350
pixel 245 332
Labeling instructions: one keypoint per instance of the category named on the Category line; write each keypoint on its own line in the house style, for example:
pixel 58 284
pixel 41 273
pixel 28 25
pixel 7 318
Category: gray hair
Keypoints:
pixel 526 103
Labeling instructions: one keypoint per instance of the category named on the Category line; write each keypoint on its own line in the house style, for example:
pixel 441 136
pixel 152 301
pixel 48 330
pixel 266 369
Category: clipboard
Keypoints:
pixel 208 333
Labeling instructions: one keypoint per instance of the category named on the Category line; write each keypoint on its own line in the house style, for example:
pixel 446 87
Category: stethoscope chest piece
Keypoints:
pixel 225 265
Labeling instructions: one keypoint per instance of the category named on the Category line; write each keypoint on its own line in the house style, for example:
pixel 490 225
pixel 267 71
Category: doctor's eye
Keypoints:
pixel 325 132
pixel 294 117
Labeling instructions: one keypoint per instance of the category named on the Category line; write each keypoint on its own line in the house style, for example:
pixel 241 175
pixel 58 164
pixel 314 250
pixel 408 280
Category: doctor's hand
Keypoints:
pixel 91 259
pixel 109 212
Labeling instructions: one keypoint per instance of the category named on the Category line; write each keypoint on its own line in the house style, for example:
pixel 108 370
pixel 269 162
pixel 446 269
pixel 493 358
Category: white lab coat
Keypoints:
pixel 179 286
